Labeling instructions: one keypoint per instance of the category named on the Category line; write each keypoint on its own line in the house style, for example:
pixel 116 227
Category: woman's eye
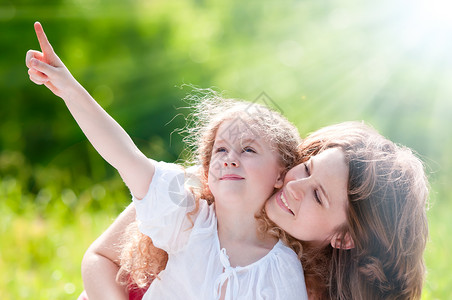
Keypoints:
pixel 316 192
pixel 221 149
pixel 249 150
pixel 317 197
pixel 306 169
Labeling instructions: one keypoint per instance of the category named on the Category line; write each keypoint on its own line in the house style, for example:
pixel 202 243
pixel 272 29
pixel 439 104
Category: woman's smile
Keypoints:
pixel 282 202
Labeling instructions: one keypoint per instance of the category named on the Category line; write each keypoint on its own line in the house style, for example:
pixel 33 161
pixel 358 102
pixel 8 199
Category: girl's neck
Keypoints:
pixel 238 234
pixel 236 221
pixel 237 227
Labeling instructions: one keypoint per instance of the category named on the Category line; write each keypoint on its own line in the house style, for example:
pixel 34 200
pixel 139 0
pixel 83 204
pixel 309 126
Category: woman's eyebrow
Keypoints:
pixel 320 185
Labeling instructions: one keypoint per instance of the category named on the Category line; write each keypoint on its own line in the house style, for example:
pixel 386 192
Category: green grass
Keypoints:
pixel 44 237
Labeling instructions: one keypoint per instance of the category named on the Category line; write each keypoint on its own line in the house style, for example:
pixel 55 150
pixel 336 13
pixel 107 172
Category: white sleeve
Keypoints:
pixel 162 213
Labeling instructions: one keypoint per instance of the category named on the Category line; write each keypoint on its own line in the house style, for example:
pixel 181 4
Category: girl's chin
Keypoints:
pixel 230 198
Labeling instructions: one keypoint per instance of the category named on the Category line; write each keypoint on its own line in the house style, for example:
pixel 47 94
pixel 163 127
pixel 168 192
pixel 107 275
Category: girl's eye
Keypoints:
pixel 249 150
pixel 221 149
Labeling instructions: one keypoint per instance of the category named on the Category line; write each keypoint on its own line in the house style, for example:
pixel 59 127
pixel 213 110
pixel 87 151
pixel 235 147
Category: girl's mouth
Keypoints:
pixel 282 202
pixel 231 177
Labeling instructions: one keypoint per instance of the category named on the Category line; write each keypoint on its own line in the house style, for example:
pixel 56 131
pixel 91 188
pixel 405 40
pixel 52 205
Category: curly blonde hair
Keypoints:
pixel 141 261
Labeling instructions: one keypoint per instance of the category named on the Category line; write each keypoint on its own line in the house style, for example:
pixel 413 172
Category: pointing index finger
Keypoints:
pixel 42 38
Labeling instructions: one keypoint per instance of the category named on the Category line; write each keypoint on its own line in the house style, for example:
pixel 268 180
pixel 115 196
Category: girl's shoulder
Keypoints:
pixel 169 213
pixel 286 269
pixel 278 275
pixel 287 257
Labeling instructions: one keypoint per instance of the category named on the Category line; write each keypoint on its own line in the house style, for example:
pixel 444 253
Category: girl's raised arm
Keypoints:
pixel 104 133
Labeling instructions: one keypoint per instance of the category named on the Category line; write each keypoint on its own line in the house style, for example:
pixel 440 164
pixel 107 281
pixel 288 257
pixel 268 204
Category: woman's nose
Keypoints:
pixel 297 188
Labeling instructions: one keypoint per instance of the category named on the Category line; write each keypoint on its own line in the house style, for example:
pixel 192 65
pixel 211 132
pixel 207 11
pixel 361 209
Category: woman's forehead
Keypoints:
pixel 331 173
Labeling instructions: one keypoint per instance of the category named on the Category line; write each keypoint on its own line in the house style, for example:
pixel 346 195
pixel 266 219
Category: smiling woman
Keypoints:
pixel 315 197
pixel 359 206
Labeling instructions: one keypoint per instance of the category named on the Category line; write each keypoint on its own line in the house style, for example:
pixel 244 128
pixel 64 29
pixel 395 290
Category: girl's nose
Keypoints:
pixel 232 163
pixel 231 160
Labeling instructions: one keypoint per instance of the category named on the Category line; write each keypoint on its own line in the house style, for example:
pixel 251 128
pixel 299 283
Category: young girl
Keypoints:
pixel 215 250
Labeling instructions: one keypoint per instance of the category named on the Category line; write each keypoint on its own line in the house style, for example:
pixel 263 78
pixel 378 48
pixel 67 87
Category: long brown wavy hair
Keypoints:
pixel 386 218
pixel 141 261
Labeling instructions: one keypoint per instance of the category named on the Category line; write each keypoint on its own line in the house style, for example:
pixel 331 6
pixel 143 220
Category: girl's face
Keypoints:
pixel 244 171
pixel 312 204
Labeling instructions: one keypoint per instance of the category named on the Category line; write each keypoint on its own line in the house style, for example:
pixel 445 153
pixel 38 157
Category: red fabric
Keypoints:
pixel 134 294
pixel 137 293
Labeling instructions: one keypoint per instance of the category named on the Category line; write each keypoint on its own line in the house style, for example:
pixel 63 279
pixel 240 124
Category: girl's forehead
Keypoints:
pixel 238 129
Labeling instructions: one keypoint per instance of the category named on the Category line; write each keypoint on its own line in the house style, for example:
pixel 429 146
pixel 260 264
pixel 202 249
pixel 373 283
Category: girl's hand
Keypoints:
pixel 47 68
pixel 104 133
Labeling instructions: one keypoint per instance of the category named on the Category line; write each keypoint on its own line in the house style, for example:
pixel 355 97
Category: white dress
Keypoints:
pixel 197 268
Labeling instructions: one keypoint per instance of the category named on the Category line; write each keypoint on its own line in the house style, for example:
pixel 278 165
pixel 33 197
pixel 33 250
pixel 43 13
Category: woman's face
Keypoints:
pixel 312 203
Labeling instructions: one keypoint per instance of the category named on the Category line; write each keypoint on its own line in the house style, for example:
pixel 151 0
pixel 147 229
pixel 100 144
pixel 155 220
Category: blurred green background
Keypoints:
pixel 386 62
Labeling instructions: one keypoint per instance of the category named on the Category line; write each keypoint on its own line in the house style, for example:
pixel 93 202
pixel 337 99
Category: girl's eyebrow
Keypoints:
pixel 246 140
pixel 320 185
pixel 250 141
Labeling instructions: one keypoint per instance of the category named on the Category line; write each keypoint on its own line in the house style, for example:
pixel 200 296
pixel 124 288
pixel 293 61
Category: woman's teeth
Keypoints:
pixel 284 201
